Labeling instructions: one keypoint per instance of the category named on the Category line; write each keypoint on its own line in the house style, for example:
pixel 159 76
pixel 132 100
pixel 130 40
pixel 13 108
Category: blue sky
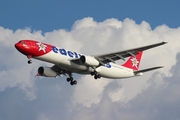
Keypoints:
pixel 47 15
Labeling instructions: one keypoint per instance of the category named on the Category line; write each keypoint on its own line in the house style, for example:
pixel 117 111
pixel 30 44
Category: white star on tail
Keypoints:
pixel 42 47
pixel 135 62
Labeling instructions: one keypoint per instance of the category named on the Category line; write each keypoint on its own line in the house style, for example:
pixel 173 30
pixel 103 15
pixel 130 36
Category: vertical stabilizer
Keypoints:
pixel 134 61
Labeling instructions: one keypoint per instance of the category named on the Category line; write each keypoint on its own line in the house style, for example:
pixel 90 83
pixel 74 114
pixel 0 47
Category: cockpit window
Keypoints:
pixel 22 42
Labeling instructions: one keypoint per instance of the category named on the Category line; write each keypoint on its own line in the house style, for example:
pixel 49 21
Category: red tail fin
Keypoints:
pixel 134 62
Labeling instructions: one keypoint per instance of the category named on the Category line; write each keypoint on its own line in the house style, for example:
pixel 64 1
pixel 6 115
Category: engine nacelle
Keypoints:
pixel 47 72
pixel 89 60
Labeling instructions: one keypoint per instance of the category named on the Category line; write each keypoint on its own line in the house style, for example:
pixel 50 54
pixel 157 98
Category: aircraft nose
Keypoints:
pixel 18 46
pixel 21 47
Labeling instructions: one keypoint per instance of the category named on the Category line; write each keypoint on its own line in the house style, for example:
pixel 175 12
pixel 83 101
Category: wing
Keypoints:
pixel 59 70
pixel 112 57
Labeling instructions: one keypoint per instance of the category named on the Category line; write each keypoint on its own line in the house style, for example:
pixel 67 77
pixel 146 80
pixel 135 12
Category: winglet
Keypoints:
pixel 165 42
pixel 151 46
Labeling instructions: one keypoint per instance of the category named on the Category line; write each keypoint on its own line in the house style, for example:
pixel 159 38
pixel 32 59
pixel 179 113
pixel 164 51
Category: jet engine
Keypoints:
pixel 89 60
pixel 47 72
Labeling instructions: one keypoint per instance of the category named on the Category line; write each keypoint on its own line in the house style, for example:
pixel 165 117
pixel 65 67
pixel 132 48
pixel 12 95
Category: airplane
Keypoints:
pixel 66 62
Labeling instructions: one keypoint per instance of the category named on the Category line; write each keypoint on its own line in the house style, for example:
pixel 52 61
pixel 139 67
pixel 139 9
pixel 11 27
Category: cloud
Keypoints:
pixel 133 98
pixel 94 89
pixel 162 101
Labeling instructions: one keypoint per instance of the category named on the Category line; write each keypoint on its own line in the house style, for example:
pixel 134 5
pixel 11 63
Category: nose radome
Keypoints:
pixel 16 45
pixel 21 48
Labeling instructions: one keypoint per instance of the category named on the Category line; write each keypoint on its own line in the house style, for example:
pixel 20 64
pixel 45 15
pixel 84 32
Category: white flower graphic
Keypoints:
pixel 135 62
pixel 42 47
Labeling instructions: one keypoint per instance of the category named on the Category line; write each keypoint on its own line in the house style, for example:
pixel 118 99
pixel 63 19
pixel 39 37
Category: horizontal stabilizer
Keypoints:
pixel 146 70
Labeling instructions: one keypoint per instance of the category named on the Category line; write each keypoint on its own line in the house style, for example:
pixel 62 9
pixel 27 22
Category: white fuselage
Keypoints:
pixel 110 70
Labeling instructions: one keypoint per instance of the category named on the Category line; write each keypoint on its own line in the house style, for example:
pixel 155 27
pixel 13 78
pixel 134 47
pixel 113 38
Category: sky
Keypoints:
pixel 90 27
pixel 47 15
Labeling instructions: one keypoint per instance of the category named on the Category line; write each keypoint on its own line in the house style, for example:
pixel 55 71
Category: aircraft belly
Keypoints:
pixel 115 73
pixel 65 63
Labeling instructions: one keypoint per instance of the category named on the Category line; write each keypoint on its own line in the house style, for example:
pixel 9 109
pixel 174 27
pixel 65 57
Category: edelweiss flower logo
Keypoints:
pixel 135 62
pixel 42 47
